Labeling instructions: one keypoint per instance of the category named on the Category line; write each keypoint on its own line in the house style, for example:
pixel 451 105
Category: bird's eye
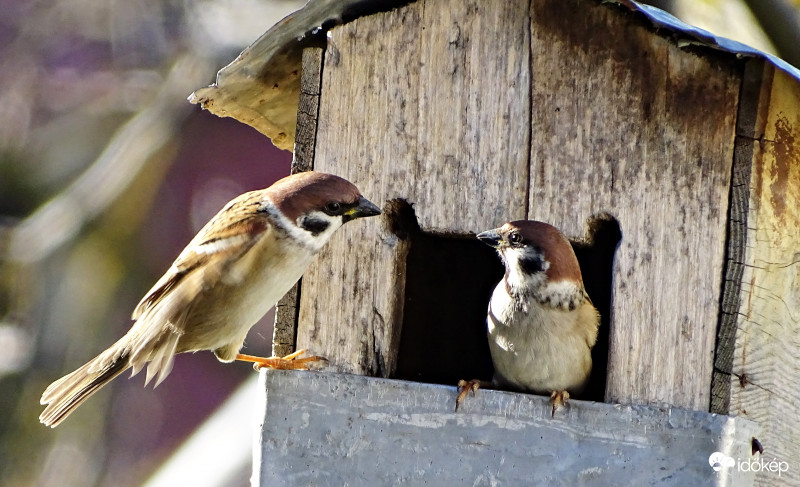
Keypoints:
pixel 515 238
pixel 333 208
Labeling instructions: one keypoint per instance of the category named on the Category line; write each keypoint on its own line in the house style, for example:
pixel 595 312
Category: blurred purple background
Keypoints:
pixel 217 160
pixel 106 173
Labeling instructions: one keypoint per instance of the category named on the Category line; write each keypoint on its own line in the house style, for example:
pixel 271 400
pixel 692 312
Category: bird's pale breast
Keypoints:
pixel 537 348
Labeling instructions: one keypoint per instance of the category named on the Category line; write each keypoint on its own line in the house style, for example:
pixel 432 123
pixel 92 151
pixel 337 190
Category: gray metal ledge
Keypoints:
pixel 324 429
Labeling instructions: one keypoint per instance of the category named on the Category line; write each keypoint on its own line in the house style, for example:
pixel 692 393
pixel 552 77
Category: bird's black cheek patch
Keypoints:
pixel 314 225
pixel 531 262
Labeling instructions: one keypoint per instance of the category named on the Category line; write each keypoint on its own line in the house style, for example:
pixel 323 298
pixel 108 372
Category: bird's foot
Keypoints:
pixel 466 386
pixel 289 362
pixel 558 399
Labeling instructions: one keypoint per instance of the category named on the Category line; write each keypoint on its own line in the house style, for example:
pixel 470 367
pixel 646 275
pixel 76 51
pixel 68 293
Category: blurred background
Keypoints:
pixel 106 172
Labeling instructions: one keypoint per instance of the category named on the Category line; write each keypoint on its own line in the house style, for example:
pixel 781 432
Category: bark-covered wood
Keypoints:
pixel 766 372
pixel 262 96
pixel 428 103
pixel 284 334
pixel 751 118
pixel 628 123
pixel 308 109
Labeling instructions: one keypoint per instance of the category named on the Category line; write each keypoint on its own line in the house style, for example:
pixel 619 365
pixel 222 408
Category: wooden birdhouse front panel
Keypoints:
pixel 765 319
pixel 477 113
pixel 411 108
pixel 630 123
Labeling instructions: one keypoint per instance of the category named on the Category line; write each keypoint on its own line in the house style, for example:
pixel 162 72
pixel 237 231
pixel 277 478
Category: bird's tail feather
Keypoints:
pixel 69 392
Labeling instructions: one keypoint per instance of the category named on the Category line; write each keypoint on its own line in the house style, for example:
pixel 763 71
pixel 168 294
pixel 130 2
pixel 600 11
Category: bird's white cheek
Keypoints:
pixel 519 280
pixel 308 239
pixel 516 278
pixel 335 224
pixel 302 236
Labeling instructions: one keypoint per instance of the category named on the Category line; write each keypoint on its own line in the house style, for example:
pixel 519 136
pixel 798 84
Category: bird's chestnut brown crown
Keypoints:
pixel 303 193
pixel 541 248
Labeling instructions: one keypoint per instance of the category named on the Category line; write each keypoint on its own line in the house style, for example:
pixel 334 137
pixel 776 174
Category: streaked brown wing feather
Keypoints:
pixel 216 245
pixel 162 320
pixel 161 317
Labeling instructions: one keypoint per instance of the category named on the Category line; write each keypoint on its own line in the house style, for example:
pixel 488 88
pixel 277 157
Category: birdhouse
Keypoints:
pixel 668 156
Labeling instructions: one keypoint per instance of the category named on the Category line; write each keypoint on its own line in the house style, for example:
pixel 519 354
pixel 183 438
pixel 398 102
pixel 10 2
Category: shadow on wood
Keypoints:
pixel 596 257
pixel 449 280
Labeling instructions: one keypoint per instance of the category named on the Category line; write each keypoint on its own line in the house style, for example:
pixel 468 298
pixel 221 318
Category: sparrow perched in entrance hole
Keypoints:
pixel 236 268
pixel 541 324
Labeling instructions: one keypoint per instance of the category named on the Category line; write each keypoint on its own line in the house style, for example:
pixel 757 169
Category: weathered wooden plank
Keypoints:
pixel 750 122
pixel 734 268
pixel 473 133
pixel 412 111
pixel 768 327
pixel 352 297
pixel 284 333
pixel 628 123
pixel 331 429
pixel 308 109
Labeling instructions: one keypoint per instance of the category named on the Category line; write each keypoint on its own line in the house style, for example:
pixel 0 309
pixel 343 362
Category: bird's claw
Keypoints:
pixel 558 399
pixel 289 362
pixel 466 386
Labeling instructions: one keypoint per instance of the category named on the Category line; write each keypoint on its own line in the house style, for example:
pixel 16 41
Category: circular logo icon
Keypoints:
pixel 717 460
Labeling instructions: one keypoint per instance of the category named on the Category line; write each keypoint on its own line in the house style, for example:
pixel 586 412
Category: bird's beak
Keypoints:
pixel 490 238
pixel 364 208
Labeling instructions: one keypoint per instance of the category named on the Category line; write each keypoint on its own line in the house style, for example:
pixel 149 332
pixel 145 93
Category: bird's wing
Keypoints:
pixel 589 319
pixel 227 236
pixel 161 315
pixel 211 257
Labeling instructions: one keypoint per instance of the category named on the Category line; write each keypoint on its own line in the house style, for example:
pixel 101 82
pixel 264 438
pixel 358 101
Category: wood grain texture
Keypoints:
pixel 768 328
pixel 750 122
pixel 308 109
pixel 734 269
pixel 285 329
pixel 428 103
pixel 474 118
pixel 284 335
pixel 628 123
pixel 353 292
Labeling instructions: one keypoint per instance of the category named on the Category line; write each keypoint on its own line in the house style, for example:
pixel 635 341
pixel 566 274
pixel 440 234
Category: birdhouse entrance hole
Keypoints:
pixel 449 281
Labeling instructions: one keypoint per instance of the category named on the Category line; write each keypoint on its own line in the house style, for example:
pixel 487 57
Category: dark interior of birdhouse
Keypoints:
pixel 449 281
pixel 596 257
